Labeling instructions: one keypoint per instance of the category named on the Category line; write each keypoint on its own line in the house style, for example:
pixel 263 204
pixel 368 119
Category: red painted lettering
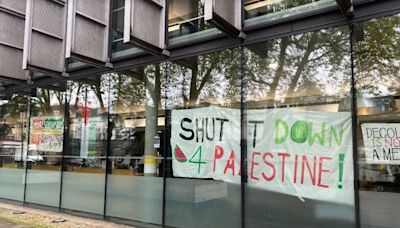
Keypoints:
pixel 296 159
pixel 283 157
pixel 320 171
pixel 273 173
pixel 252 164
pixel 231 163
pixel 312 173
pixel 219 152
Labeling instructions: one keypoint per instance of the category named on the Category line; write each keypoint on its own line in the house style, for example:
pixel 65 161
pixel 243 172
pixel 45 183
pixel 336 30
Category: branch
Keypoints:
pixel 253 78
pixel 207 75
pixel 319 57
pixel 205 79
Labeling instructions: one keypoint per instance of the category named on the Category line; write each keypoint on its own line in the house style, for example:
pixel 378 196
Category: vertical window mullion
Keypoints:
pixel 22 147
pixel 108 153
pixel 354 128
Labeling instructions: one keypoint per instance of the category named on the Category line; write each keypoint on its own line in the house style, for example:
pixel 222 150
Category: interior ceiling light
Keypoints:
pixel 172 28
pixel 261 3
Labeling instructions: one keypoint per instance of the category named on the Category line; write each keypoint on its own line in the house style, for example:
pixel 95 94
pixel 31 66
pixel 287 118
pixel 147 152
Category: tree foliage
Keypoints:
pixel 378 56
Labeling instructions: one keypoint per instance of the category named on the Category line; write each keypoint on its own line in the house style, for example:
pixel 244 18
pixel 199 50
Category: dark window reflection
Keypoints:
pixel 85 156
pixel 136 130
pixel 128 118
pixel 185 17
pixel 88 126
pixel 13 145
pixel 118 27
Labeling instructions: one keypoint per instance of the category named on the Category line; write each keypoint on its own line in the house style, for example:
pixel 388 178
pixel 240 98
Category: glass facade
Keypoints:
pixel 186 21
pixel 85 159
pixel 377 78
pixel 295 80
pixel 185 17
pixel 195 85
pixel 261 11
pixel 296 130
pixel 45 148
pixel 135 165
pixel 14 113
pixel 118 47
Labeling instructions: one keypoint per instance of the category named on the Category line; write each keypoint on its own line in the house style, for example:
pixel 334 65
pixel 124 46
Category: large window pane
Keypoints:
pixel 186 21
pixel 377 82
pixel 13 126
pixel 118 47
pixel 299 147
pixel 135 182
pixel 45 148
pixel 203 141
pixel 84 171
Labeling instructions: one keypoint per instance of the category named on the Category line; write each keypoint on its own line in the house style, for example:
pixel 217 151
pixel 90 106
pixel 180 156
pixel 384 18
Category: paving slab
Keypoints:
pixel 15 216
pixel 5 224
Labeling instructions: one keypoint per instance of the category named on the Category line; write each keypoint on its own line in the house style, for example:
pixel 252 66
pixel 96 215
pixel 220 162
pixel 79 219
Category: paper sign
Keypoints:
pixel 47 133
pixel 381 143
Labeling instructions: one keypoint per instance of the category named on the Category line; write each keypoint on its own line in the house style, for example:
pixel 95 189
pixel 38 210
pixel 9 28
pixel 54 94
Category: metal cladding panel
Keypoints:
pixel 44 41
pixel 12 26
pixel 12 30
pixel 47 16
pixel 97 9
pixel 226 15
pixel 11 63
pixel 145 24
pixel 89 39
pixel 45 52
pixel 15 5
pixel 226 10
pixel 88 30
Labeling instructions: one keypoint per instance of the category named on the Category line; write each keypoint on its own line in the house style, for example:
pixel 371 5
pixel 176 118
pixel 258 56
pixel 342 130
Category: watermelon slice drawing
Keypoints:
pixel 179 155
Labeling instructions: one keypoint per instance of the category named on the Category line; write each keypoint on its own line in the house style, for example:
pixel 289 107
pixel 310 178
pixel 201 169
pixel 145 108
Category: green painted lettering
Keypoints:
pixel 299 131
pixel 337 136
pixel 280 125
pixel 319 136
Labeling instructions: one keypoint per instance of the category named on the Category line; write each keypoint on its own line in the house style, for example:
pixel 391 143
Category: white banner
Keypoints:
pixel 303 153
pixel 198 138
pixel 307 154
pixel 381 143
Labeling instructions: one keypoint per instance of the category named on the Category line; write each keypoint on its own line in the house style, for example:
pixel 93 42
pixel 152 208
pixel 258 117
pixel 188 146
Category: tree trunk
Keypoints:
pixel 97 90
pixel 194 94
pixel 302 64
pixel 118 98
pixel 279 71
pixel 78 90
pixel 152 101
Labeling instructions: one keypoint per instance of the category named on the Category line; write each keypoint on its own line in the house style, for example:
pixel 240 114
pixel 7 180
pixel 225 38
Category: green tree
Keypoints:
pixel 278 68
pixel 377 54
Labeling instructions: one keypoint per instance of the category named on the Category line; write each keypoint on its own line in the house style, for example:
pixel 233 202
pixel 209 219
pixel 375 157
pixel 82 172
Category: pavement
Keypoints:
pixel 14 216
pixel 10 225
